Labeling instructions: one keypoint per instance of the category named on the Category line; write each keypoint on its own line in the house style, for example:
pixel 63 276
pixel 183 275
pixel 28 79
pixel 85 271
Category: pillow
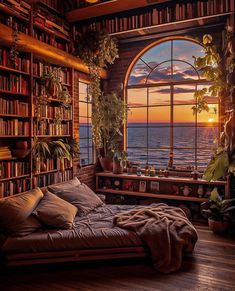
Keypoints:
pixel 56 212
pixel 65 185
pixel 16 210
pixel 82 197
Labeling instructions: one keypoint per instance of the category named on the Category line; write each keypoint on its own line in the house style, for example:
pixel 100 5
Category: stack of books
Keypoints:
pixel 5 153
pixel 20 6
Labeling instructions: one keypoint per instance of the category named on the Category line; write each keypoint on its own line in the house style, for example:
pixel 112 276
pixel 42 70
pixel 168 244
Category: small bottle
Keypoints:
pixel 152 172
pixel 138 171
pixel 146 170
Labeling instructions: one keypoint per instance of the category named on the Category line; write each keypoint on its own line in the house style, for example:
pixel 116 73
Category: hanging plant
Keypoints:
pixel 211 67
pixel 14 53
pixel 97 50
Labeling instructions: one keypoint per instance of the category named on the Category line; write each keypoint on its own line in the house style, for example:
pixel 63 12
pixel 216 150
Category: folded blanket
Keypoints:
pixel 165 230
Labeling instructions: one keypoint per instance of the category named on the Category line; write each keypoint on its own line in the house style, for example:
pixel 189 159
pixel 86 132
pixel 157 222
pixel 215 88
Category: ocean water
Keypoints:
pixel 191 144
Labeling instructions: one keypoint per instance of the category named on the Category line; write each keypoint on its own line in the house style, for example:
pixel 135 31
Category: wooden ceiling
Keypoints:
pixel 110 7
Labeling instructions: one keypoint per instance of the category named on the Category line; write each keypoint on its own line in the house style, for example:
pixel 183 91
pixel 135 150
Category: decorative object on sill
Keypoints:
pixel 186 190
pixel 220 214
pixel 13 55
pixel 160 174
pixel 152 172
pixel 166 173
pixel 138 171
pixel 146 169
pixel 200 191
pixel 119 158
pixel 195 174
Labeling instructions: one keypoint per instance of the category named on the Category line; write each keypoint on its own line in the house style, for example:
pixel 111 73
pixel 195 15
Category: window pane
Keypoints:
pixel 158 54
pixel 137 116
pixel 184 94
pixel 137 97
pixel 83 145
pixel 206 137
pixel 184 114
pixel 89 109
pixel 139 73
pixel 84 130
pixel 203 158
pixel 184 157
pixel 185 50
pixel 158 137
pixel 159 115
pixel 159 96
pixel 83 91
pixel 137 155
pixel 158 157
pixel 184 72
pixel 162 73
pixel 84 159
pixel 210 117
pixel 82 109
pixel 137 137
pixel 90 155
pixel 184 137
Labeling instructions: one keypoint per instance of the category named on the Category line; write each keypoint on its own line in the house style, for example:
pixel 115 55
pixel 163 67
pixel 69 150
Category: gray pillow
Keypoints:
pixel 82 197
pixel 65 185
pixel 16 213
pixel 56 212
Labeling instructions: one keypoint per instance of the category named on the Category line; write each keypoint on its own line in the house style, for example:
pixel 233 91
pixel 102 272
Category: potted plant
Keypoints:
pixel 60 150
pixel 40 152
pixel 220 214
pixel 108 117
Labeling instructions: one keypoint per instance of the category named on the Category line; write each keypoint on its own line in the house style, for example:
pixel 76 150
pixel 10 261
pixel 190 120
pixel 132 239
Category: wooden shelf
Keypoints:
pixel 14 178
pixel 13 116
pixel 107 8
pixel 68 135
pixel 12 12
pixel 163 179
pixel 50 31
pixel 11 70
pixel 170 26
pixel 45 51
pixel 8 159
pixel 13 93
pixel 14 136
pixel 53 119
pixel 51 171
pixel 152 195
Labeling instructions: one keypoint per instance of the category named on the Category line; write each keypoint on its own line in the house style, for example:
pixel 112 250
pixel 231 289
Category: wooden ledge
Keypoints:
pixel 44 51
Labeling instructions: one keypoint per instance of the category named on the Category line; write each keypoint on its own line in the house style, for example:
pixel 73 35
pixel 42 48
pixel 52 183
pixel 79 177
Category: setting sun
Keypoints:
pixel 210 120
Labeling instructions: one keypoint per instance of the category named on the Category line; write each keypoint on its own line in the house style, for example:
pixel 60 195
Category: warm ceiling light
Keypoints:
pixel 92 1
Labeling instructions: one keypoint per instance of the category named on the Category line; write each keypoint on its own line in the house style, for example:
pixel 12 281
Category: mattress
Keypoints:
pixel 93 231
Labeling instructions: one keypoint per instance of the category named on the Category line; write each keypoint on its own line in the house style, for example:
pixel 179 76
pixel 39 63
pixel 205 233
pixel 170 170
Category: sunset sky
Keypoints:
pixel 155 66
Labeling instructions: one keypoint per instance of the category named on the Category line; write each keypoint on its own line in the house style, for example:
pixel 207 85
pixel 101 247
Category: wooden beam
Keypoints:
pixel 110 7
pixel 45 51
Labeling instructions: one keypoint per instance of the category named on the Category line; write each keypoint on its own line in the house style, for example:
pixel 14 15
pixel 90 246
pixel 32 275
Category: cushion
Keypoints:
pixel 82 197
pixel 65 185
pixel 16 210
pixel 56 212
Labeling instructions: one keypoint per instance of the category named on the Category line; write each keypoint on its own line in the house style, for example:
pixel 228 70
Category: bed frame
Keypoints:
pixel 73 256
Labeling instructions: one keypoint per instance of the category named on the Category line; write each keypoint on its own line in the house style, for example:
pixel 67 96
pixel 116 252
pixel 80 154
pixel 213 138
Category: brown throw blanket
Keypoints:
pixel 165 230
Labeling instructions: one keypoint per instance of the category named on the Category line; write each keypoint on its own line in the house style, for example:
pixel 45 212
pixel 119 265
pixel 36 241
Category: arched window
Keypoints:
pixel 160 95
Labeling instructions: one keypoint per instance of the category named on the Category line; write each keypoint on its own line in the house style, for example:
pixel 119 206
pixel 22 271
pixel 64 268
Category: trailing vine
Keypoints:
pixel 13 55
pixel 97 50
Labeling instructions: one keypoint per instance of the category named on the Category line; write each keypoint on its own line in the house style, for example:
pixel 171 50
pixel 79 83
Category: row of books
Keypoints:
pixel 56 4
pixel 39 69
pixel 5 153
pixel 160 14
pixel 13 23
pixel 46 19
pixel 47 111
pixel 14 127
pixel 14 83
pixel 19 6
pixel 13 169
pixel 52 165
pixel 47 128
pixel 50 39
pixel 52 178
pixel 21 64
pixel 9 188
pixel 14 107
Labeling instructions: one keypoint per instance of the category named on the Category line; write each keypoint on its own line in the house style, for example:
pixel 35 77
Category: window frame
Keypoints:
pixel 170 83
pixel 87 126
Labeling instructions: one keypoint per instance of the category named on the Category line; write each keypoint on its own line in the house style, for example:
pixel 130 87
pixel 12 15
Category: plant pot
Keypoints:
pixel 117 167
pixel 23 145
pixel 106 164
pixel 218 226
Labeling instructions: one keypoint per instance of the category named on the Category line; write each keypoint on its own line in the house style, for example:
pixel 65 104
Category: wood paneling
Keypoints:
pixel 211 267
pixel 42 50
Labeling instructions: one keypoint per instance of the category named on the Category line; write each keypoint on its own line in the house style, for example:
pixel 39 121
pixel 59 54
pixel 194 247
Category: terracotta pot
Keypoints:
pixel 23 145
pixel 117 167
pixel 218 226
pixel 106 164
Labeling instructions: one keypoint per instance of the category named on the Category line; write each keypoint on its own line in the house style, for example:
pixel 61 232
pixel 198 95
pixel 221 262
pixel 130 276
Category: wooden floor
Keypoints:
pixel 212 267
